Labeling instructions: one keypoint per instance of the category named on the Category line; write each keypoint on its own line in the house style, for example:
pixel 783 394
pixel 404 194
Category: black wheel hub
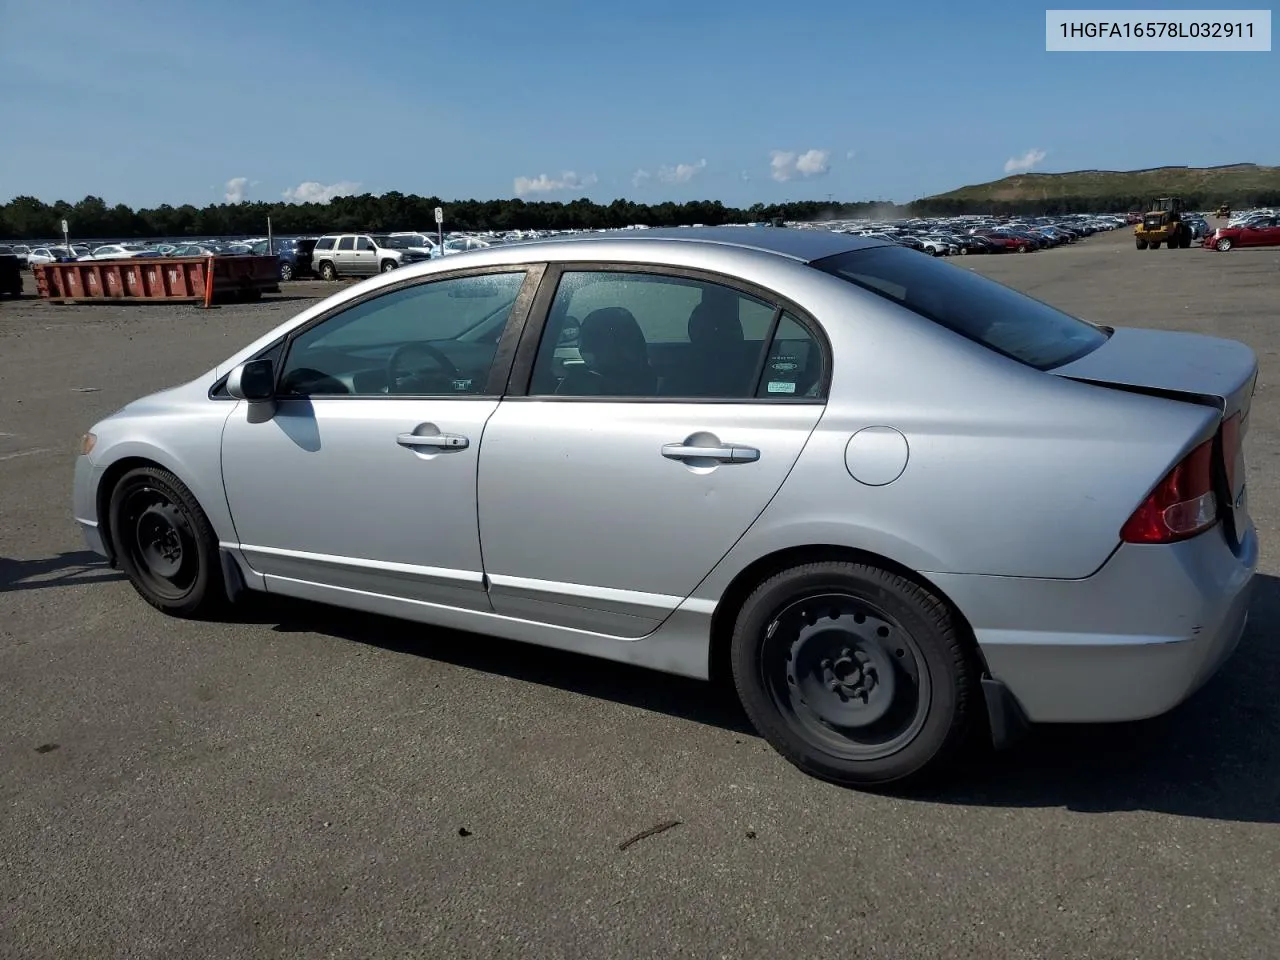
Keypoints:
pixel 158 542
pixel 160 539
pixel 846 675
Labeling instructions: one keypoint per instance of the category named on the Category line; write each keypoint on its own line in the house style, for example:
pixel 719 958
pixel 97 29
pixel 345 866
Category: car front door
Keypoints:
pixel 636 459
pixel 364 478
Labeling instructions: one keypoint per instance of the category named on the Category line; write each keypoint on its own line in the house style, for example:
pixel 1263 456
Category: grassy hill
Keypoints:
pixel 1240 184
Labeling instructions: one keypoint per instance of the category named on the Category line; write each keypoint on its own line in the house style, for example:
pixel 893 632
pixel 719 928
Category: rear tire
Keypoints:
pixel 286 271
pixel 165 543
pixel 854 674
pixel 1153 245
pixel 327 271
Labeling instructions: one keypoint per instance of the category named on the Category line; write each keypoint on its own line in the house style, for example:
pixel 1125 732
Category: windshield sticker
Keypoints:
pixel 781 386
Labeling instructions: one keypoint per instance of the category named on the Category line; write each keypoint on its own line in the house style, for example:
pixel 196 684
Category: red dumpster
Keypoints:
pixel 177 279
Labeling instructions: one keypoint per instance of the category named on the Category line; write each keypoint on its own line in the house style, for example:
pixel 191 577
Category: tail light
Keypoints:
pixel 1182 505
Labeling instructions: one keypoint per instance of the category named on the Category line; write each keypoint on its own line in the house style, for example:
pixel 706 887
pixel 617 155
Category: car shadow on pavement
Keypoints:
pixel 1217 756
pixel 66 569
pixel 577 673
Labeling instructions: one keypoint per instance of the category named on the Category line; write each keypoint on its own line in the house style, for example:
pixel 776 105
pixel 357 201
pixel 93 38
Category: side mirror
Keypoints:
pixel 254 381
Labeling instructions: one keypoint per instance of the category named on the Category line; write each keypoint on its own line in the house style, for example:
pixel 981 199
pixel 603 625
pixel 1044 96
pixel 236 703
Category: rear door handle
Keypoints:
pixel 438 441
pixel 730 453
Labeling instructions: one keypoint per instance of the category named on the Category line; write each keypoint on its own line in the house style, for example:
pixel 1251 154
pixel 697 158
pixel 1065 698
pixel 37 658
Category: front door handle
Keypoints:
pixel 729 453
pixel 437 441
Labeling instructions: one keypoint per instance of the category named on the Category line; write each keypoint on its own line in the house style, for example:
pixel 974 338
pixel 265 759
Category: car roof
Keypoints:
pixel 803 245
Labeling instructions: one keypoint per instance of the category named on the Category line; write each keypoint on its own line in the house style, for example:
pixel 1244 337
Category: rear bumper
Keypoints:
pixel 1132 641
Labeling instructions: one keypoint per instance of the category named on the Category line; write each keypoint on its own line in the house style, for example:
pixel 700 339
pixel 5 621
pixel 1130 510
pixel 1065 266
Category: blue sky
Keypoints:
pixel 169 101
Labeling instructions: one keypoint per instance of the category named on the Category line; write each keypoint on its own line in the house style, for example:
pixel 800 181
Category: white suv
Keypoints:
pixel 358 255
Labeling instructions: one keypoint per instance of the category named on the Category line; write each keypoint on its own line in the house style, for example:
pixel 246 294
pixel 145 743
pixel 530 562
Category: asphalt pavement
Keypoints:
pixel 303 782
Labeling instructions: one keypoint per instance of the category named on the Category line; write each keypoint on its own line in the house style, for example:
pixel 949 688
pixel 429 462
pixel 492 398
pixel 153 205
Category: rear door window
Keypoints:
pixel 998 317
pixel 346 243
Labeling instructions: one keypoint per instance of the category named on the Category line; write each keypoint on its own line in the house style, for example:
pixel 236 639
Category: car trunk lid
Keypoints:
pixel 1193 368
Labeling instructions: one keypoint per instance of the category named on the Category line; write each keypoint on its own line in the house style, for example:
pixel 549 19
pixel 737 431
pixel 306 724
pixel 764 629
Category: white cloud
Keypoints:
pixel 670 173
pixel 237 190
pixel 681 172
pixel 312 191
pixel 1028 161
pixel 813 163
pixel 787 165
pixel 568 180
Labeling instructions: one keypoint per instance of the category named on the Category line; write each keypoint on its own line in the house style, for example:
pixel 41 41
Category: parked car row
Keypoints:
pixel 969 235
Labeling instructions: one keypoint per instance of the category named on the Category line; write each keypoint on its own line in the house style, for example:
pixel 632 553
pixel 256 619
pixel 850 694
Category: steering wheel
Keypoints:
pixel 394 374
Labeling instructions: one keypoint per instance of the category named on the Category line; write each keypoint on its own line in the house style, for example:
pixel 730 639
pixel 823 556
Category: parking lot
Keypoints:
pixel 307 782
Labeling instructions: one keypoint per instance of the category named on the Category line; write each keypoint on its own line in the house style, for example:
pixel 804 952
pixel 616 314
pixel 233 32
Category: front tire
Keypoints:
pixel 1141 244
pixel 1223 244
pixel 165 543
pixel 388 266
pixel 286 271
pixel 854 674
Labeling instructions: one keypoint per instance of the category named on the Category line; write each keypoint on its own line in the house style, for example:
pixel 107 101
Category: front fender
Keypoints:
pixel 188 447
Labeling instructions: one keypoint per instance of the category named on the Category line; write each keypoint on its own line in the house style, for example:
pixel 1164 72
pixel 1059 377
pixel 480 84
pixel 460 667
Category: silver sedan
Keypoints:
pixel 901 506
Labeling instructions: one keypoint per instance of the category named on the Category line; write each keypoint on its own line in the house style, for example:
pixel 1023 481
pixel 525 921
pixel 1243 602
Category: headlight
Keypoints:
pixel 87 443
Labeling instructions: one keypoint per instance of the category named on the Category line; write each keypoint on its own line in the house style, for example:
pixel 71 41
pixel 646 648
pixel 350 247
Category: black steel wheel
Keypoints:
pixel 855 674
pixel 164 543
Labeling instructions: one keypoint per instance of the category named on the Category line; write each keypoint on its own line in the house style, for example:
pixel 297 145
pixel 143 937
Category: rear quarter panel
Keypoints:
pixel 1011 471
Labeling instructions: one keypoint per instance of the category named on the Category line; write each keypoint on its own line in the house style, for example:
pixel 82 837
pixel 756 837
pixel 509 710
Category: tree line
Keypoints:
pixel 28 218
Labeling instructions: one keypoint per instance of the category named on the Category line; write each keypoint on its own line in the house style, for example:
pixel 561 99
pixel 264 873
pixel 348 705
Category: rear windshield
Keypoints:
pixel 987 312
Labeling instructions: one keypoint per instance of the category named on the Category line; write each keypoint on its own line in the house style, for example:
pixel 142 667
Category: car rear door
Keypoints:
pixel 364 260
pixel 344 254
pixel 606 492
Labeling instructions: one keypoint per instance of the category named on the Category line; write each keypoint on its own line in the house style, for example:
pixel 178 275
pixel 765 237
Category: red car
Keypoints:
pixel 1006 243
pixel 1259 233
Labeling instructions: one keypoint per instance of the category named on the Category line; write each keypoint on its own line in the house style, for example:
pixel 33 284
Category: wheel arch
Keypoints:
pixel 102 495
pixel 764 567
pixel 135 455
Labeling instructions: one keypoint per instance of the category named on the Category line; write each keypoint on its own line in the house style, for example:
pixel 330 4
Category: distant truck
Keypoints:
pixel 1163 223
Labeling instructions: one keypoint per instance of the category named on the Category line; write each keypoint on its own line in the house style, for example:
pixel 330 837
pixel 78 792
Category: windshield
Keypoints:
pixel 401 243
pixel 982 310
